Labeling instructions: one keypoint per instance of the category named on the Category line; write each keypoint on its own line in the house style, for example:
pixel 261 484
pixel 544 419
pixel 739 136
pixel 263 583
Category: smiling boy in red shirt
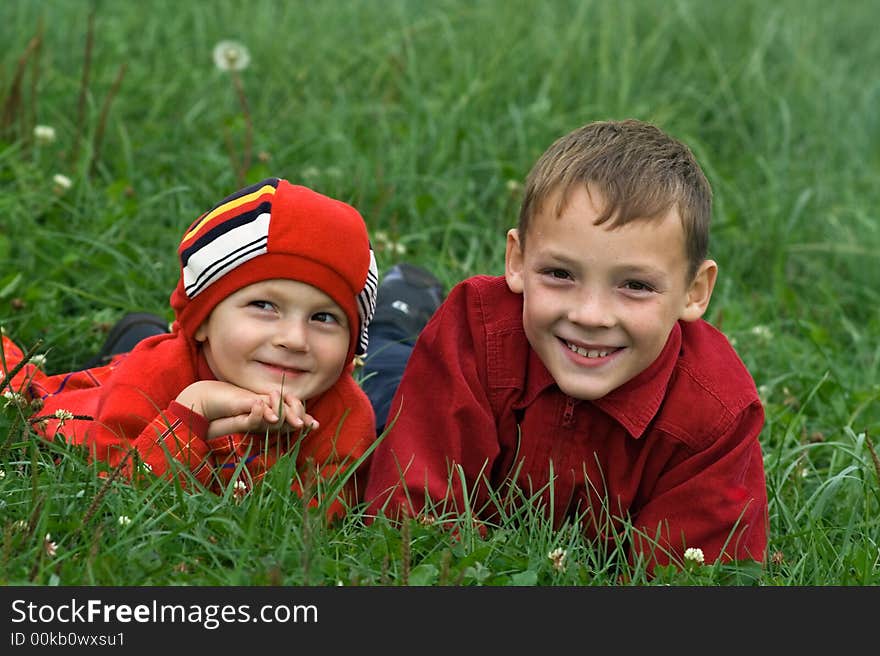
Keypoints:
pixel 585 377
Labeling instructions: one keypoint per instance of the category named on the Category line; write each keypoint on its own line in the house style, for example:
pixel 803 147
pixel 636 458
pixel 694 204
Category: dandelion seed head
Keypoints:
pixel 231 56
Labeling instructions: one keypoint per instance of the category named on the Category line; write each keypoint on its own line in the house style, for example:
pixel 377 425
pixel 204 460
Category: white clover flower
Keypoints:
pixel 13 399
pixel 383 242
pixel 44 134
pixel 231 56
pixel 50 547
pixel 239 489
pixel 557 557
pixel 124 520
pixel 762 332
pixel 62 183
pixel 19 525
pixel 513 186
pixel 694 554
pixel 63 415
pixel 39 360
pixel 2 473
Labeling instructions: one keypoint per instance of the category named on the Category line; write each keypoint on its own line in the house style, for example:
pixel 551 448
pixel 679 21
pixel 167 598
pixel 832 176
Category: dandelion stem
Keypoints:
pixel 245 164
pixel 83 88
pixel 105 110
pixel 13 100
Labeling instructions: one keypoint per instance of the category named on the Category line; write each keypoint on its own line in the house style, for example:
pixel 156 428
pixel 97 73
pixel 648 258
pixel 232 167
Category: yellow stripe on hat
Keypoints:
pixel 225 207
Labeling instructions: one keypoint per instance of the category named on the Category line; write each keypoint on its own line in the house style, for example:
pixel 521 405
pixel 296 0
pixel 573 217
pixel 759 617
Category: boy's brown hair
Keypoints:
pixel 640 171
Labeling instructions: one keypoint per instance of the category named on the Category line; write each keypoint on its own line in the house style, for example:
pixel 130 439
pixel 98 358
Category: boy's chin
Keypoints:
pixel 584 390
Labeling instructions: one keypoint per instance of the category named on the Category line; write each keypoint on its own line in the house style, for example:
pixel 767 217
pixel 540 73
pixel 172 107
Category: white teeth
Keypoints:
pixel 587 354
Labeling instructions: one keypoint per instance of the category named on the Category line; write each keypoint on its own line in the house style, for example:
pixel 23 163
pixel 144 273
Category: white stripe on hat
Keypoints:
pixel 366 302
pixel 224 253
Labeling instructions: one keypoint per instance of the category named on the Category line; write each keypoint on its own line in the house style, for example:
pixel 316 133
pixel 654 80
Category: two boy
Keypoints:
pixel 584 380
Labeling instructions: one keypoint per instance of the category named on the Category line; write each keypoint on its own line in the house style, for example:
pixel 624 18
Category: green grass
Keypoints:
pixel 427 116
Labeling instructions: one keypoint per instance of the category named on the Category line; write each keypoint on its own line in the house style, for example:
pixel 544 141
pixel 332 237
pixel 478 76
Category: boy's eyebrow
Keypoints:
pixel 644 270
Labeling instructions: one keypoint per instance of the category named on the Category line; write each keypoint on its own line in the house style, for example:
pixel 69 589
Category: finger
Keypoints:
pixel 242 423
pixel 299 418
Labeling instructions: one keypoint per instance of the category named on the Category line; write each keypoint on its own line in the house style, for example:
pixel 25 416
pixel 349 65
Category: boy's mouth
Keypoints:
pixel 591 352
pixel 283 370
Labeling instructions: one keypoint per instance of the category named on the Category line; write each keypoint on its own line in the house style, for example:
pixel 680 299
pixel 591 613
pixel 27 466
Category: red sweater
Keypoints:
pixel 131 401
pixel 674 450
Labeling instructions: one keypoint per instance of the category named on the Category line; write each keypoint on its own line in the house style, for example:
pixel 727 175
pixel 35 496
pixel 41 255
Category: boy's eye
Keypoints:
pixel 262 305
pixel 638 286
pixel 324 317
pixel 559 274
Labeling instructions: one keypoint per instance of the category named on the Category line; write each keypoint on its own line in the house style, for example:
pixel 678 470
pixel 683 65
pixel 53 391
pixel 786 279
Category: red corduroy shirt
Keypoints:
pixel 675 450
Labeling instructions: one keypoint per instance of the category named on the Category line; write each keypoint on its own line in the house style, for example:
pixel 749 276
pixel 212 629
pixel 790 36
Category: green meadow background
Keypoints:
pixel 427 116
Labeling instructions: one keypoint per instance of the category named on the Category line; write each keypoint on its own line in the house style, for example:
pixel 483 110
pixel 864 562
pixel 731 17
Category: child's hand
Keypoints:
pixel 232 409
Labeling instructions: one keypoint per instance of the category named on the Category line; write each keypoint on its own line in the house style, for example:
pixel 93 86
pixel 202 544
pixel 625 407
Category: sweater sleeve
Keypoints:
pixel 441 439
pixel 175 437
pixel 328 457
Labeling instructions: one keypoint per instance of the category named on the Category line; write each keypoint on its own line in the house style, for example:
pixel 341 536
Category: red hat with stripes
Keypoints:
pixel 275 229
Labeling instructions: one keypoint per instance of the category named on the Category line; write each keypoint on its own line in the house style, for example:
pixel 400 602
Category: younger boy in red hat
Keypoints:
pixel 277 287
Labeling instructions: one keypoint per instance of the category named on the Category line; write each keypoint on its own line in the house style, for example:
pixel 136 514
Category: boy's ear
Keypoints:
pixel 201 333
pixel 513 262
pixel 700 291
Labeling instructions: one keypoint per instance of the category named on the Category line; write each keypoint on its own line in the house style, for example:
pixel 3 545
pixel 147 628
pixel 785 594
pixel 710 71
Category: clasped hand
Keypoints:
pixel 231 409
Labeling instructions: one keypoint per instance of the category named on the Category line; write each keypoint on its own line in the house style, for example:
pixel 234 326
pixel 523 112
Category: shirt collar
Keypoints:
pixel 635 403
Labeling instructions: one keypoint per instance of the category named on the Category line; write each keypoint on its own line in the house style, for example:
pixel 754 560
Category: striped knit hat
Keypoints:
pixel 274 229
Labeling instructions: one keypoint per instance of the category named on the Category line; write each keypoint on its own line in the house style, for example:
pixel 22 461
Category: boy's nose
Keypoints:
pixel 593 308
pixel 292 334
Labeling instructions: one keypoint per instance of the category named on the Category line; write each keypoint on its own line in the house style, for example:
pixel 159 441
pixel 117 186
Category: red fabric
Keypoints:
pixel 675 450
pixel 132 403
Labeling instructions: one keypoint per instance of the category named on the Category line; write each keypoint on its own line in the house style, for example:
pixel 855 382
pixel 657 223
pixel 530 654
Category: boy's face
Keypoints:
pixel 598 304
pixel 273 330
